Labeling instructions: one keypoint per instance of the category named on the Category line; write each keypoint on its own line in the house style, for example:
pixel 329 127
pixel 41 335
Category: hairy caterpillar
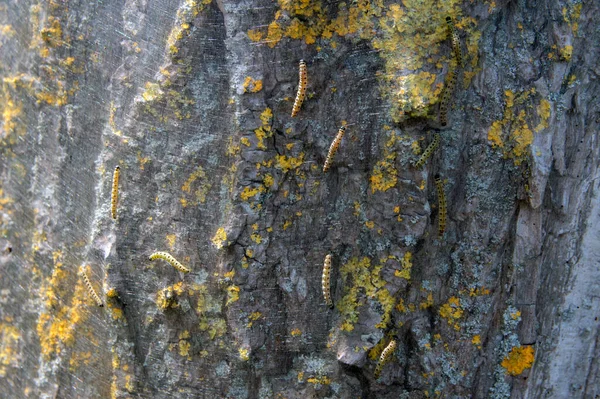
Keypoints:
pixel 442 205
pixel 448 89
pixel 334 147
pixel 325 282
pixel 455 41
pixel 302 80
pixel 114 196
pixel 90 289
pixel 428 151
pixel 384 357
pixel 166 256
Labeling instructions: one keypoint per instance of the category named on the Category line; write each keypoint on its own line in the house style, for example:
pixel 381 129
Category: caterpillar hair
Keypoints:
pixel 446 95
pixel 90 289
pixel 166 256
pixel 428 151
pixel 302 81
pixel 114 196
pixel 441 205
pixel 333 148
pixel 455 41
pixel 326 280
pixel 385 357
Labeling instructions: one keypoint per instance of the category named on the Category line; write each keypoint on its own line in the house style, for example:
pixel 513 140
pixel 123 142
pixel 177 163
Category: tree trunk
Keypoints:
pixel 192 100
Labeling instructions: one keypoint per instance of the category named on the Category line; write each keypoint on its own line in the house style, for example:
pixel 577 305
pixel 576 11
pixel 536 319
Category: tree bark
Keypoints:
pixel 192 99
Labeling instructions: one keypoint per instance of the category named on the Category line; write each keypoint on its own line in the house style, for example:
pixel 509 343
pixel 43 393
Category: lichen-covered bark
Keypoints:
pixel 192 100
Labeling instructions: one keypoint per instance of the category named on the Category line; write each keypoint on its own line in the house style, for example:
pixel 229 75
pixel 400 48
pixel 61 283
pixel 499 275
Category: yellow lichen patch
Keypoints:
pixel 244 354
pixel 406 263
pixel 202 189
pixel 323 380
pixel 566 53
pixel 233 294
pixel 255 35
pixel 385 175
pixel 51 34
pixel 452 312
pixel 248 193
pixel 477 341
pixel 252 85
pixel 166 298
pixel 516 143
pixel 57 323
pixel 571 15
pixel 219 238
pixel 256 238
pixel 9 347
pixel 366 283
pixel 519 359
pixel 184 344
pixel 252 318
pixel 287 163
pixel 152 92
pixel 7 31
pixel 185 15
pixel 142 160
pixel 171 240
pixel 296 332
pixel 427 303
pixel 264 130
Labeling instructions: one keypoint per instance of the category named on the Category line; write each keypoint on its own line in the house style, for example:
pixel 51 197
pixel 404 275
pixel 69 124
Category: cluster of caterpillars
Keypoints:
pixel 114 198
pixel 450 81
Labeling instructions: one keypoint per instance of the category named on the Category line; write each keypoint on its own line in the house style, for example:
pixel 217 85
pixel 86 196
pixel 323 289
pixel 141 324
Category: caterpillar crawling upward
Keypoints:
pixel 455 41
pixel 428 151
pixel 447 95
pixel 167 256
pixel 302 81
pixel 114 195
pixel 326 281
pixel 385 357
pixel 89 287
pixel 333 148
pixel 442 205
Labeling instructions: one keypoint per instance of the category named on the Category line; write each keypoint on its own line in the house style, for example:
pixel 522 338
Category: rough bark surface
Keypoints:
pixel 192 99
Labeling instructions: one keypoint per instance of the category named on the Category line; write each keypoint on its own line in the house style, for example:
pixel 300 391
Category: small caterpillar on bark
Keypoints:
pixel 166 256
pixel 446 95
pixel 326 280
pixel 385 357
pixel 90 289
pixel 455 41
pixel 441 205
pixel 302 80
pixel 114 196
pixel 333 148
pixel 428 151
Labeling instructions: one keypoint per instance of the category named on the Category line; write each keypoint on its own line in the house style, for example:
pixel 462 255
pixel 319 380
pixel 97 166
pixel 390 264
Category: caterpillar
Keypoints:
pixel 333 148
pixel 384 357
pixel 448 89
pixel 90 289
pixel 455 41
pixel 114 196
pixel 166 256
pixel 441 205
pixel 302 80
pixel 428 151
pixel 325 282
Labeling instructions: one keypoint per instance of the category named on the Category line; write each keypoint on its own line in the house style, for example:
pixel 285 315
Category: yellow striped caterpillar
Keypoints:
pixel 446 95
pixel 455 41
pixel 441 205
pixel 166 256
pixel 385 357
pixel 302 80
pixel 333 148
pixel 428 151
pixel 325 282
pixel 90 289
pixel 114 196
